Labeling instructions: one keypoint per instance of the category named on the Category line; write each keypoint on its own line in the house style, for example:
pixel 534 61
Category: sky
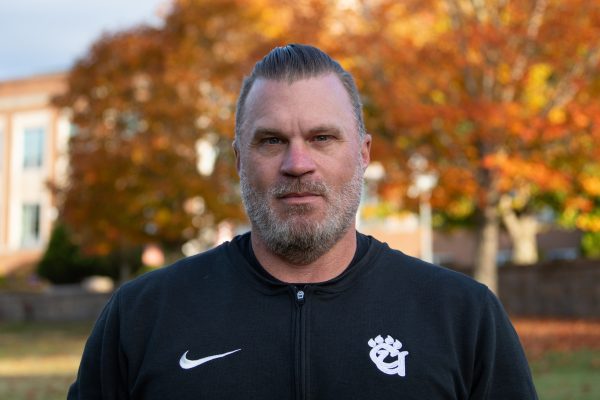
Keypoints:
pixel 45 36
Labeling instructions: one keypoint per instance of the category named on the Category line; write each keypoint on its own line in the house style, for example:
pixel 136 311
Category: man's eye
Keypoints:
pixel 322 138
pixel 271 140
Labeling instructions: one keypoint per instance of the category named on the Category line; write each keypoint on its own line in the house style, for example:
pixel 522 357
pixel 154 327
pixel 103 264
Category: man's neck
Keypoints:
pixel 326 267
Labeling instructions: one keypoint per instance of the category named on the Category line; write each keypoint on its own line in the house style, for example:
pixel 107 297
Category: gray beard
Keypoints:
pixel 297 241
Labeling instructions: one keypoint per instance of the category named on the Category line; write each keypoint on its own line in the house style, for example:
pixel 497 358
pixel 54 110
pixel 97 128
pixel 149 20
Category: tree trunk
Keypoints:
pixel 523 231
pixel 124 271
pixel 485 269
pixel 124 266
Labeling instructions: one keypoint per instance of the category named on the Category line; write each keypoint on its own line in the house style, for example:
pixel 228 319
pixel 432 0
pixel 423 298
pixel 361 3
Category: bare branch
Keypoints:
pixel 456 16
pixel 480 10
pixel 533 29
pixel 566 88
pixel 496 12
pixel 486 14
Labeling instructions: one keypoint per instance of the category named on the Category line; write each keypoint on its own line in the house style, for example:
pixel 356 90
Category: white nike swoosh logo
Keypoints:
pixel 186 363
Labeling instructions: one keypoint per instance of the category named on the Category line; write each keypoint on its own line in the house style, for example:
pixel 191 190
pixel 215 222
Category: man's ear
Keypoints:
pixel 365 150
pixel 236 152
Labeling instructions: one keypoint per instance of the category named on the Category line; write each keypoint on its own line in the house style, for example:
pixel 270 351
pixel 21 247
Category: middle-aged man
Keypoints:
pixel 303 306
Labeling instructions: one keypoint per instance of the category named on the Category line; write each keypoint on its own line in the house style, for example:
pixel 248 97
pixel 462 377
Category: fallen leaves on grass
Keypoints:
pixel 539 336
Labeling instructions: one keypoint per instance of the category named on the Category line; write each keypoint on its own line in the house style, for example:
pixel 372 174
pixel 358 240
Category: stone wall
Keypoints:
pixel 557 289
pixel 58 304
pixel 560 289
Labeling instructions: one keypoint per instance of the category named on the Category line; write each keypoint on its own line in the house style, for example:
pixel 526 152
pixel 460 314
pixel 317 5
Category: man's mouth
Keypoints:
pixel 299 191
pixel 298 195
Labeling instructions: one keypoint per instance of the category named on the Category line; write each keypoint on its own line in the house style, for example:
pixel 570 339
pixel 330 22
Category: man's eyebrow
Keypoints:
pixel 319 129
pixel 262 131
pixel 325 129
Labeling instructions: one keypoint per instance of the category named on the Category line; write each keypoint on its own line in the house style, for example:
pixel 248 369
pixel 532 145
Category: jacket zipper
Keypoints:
pixel 300 344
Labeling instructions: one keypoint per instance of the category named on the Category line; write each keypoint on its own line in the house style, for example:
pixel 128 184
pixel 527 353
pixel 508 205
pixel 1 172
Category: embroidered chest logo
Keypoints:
pixel 186 363
pixel 387 356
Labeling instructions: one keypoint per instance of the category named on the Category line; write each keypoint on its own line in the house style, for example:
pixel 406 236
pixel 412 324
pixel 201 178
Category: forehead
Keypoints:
pixel 300 104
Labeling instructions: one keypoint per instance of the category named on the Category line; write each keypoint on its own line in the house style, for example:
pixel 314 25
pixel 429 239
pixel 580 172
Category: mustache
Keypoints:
pixel 299 186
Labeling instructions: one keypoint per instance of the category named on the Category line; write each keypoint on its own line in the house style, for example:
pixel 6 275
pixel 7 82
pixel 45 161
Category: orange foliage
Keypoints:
pixel 506 92
pixel 497 95
pixel 141 100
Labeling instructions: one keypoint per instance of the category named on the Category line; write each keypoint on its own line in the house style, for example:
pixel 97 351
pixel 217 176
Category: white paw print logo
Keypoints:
pixel 387 356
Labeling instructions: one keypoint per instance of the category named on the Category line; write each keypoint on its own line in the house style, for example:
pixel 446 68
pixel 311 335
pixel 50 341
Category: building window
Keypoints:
pixel 33 149
pixel 73 130
pixel 30 225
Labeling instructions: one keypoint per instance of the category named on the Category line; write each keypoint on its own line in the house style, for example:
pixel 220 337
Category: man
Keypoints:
pixel 303 307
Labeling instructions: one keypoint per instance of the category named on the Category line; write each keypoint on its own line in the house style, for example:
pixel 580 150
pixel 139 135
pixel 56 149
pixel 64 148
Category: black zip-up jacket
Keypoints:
pixel 213 326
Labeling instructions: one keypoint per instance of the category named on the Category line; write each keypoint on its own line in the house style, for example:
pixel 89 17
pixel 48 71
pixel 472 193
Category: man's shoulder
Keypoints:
pixel 180 273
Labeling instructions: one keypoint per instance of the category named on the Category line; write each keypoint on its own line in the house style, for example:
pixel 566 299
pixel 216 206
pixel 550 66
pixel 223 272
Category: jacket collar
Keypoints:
pixel 268 284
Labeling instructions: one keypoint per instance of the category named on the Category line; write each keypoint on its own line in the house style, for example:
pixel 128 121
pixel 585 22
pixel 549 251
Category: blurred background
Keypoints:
pixel 116 121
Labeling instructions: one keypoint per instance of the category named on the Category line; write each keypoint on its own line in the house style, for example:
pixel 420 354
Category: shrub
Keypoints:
pixel 590 244
pixel 63 262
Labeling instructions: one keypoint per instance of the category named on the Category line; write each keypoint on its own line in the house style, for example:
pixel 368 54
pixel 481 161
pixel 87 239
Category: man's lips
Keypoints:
pixel 299 198
pixel 298 195
pixel 299 192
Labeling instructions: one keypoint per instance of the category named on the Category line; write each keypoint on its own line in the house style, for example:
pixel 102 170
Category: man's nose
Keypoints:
pixel 297 160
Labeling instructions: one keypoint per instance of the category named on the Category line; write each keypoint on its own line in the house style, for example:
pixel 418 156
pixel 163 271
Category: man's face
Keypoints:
pixel 301 164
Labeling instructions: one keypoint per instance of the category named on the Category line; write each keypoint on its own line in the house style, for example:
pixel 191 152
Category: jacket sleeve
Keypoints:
pixel 103 367
pixel 501 368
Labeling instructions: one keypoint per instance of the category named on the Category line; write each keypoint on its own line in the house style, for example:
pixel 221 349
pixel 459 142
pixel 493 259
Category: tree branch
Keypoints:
pixel 566 88
pixel 519 67
pixel 479 9
pixel 508 215
pixel 458 22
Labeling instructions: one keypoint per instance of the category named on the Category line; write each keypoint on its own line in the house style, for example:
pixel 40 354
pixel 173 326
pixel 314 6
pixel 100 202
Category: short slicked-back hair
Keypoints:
pixel 294 62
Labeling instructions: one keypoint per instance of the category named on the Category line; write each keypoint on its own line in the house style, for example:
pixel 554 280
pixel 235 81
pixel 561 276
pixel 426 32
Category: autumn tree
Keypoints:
pixel 145 100
pixel 583 211
pixel 132 159
pixel 496 94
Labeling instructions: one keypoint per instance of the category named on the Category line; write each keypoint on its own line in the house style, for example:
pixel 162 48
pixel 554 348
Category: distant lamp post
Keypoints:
pixel 423 182
pixel 374 173
pixel 207 152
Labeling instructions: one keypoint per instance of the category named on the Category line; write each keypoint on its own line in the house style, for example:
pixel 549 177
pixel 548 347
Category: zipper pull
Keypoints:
pixel 300 297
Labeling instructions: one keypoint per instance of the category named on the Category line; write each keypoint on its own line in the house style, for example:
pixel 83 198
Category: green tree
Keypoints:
pixel 62 261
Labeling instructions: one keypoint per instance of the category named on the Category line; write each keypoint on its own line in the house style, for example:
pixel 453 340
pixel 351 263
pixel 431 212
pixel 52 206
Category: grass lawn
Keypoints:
pixel 568 375
pixel 39 361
